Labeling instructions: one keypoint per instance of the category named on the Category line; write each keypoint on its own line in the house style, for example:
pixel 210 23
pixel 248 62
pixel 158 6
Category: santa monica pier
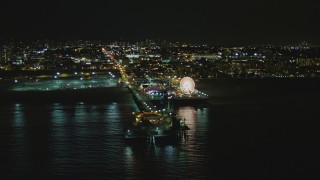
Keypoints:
pixel 157 122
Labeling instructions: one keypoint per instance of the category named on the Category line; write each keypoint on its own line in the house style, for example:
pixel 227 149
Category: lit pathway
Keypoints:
pixel 146 105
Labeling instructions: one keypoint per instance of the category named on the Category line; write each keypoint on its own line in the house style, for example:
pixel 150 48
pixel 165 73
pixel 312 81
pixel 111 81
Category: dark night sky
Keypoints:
pixel 208 21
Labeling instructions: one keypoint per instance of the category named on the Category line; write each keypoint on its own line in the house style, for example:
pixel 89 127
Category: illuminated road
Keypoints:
pixel 125 78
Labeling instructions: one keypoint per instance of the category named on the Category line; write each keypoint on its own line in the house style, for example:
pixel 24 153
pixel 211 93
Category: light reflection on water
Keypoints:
pixel 77 139
pixel 18 139
pixel 18 115
pixel 83 140
pixel 196 120
pixel 83 137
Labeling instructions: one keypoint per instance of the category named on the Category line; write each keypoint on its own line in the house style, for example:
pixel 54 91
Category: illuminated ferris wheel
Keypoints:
pixel 187 85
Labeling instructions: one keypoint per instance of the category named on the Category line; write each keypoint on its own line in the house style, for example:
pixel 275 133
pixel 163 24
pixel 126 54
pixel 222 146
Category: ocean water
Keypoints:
pixel 248 129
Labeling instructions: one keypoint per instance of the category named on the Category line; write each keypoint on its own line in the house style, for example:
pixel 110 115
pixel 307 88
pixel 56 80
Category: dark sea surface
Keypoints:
pixel 248 129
